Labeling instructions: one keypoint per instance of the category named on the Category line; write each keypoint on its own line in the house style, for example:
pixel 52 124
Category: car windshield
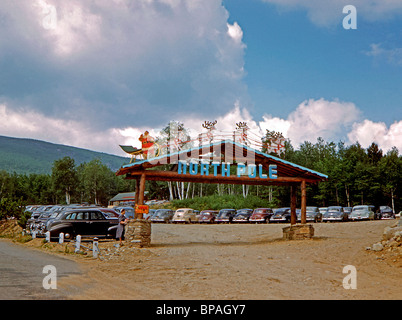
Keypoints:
pixel 225 213
pixel 334 209
pixel 161 213
pixel 206 214
pixel 260 210
pixel 54 215
pixel 385 208
pixel 244 211
pixel 360 208
pixel 280 211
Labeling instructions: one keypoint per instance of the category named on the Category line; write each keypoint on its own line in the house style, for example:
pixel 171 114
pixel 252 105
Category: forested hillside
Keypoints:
pixel 26 156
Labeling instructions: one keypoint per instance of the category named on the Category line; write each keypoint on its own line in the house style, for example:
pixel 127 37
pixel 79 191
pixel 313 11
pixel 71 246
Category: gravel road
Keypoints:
pixel 21 273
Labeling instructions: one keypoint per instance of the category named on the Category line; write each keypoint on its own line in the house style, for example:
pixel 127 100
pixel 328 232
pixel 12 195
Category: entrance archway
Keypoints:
pixel 211 164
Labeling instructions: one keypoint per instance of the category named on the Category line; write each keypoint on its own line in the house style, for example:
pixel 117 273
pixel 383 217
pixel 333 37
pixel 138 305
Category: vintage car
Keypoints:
pixel 162 215
pixel 129 211
pixel 385 212
pixel 335 213
pixel 323 210
pixel 281 215
pixel 207 216
pixel 186 215
pixel 225 215
pixel 242 215
pixel 86 222
pixel 261 215
pixel 362 212
pixel 312 214
pixel 347 210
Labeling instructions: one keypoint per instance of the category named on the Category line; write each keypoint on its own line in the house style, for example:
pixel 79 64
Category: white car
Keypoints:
pixel 186 215
pixel 362 212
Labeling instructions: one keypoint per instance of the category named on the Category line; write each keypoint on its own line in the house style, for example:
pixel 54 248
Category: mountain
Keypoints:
pixel 25 156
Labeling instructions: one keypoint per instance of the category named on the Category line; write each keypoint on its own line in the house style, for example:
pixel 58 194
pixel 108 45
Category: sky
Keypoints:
pixel 97 74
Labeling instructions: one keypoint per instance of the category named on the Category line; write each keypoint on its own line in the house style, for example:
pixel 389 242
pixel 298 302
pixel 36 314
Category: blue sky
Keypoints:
pixel 289 59
pixel 96 74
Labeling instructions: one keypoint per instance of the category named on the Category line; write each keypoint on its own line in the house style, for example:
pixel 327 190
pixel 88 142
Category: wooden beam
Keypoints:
pixel 233 179
pixel 303 202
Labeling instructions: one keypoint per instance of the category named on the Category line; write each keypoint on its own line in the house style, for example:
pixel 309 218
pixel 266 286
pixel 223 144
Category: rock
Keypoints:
pixel 389 232
pixel 377 247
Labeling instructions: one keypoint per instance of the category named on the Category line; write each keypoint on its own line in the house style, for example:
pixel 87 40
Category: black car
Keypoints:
pixel 225 215
pixel 281 215
pixel 385 212
pixel 84 222
pixel 162 215
pixel 242 215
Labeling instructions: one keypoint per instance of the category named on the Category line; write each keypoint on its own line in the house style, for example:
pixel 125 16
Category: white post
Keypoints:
pixel 33 234
pixel 61 238
pixel 95 248
pixel 77 244
pixel 47 234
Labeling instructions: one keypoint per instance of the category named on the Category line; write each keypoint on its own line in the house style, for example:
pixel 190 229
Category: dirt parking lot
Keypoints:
pixel 244 262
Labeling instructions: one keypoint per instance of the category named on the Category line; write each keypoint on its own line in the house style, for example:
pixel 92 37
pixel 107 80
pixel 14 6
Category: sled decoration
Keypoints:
pixel 149 148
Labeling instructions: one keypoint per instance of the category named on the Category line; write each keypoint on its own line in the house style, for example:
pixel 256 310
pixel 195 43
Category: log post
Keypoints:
pixel 137 190
pixel 141 193
pixel 293 217
pixel 303 202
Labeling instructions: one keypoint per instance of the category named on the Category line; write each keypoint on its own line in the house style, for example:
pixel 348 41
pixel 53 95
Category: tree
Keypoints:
pixel 391 171
pixel 98 182
pixel 64 177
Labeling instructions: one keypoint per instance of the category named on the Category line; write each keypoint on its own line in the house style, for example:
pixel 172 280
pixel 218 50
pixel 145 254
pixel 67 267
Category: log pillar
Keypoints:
pixel 141 193
pixel 293 217
pixel 303 202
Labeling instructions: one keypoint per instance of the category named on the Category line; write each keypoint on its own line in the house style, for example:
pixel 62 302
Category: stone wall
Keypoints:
pixel 138 233
pixel 298 232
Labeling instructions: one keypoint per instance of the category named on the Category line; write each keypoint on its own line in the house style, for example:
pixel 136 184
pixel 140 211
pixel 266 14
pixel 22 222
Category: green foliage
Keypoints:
pixel 10 208
pixel 28 156
pixel 217 202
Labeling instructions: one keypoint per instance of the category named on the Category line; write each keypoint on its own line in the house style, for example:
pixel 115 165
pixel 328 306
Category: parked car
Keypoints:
pixel 186 215
pixel 281 215
pixel 335 213
pixel 129 211
pixel 225 215
pixel 207 216
pixel 347 210
pixel 85 222
pixel 147 216
pixel 385 212
pixel 312 214
pixel 261 215
pixel 323 210
pixel 242 215
pixel 162 215
pixel 109 213
pixel 362 212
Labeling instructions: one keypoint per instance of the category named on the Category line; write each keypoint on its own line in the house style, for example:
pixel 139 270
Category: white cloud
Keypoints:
pixel 368 131
pixel 331 120
pixel 313 119
pixel 393 55
pixel 121 63
pixel 26 123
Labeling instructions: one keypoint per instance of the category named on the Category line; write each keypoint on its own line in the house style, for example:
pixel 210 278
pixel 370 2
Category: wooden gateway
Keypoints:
pixel 212 163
